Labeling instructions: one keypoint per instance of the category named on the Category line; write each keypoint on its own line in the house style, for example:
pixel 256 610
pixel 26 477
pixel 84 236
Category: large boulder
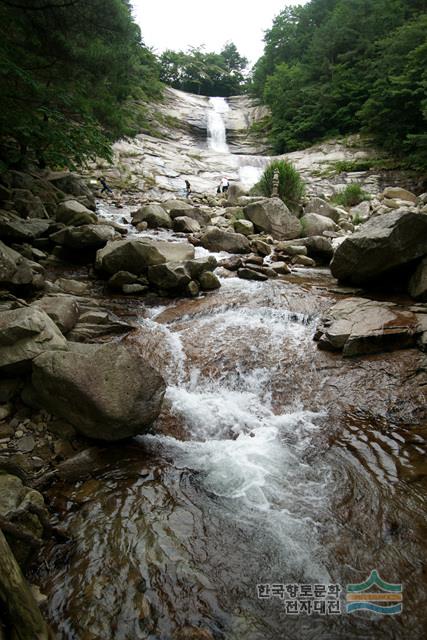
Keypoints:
pixel 70 183
pixel 314 224
pixel 218 240
pixel 106 392
pixel 154 215
pixel 136 254
pixel 202 216
pixel 170 275
pixel 397 193
pixel 88 236
pixel 199 265
pixel 25 508
pixel 323 208
pixel 272 216
pixel 381 244
pixel 184 224
pixel 63 309
pixel 24 334
pixel 74 214
pixel 17 271
pixel 181 207
pixel 19 230
pixel 418 282
pixel 358 326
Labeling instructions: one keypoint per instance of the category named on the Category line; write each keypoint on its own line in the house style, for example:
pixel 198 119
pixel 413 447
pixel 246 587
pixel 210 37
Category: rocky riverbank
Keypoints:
pixel 78 286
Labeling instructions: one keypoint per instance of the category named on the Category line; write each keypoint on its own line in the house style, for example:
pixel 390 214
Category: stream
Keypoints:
pixel 272 463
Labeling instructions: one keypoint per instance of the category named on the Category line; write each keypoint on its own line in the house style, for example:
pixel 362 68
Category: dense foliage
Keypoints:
pixel 67 71
pixel 340 66
pixel 206 73
pixel 291 187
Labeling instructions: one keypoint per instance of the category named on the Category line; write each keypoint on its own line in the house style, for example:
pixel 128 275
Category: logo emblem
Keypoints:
pixel 386 600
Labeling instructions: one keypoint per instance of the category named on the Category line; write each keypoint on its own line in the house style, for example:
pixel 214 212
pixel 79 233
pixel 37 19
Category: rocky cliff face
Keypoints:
pixel 157 165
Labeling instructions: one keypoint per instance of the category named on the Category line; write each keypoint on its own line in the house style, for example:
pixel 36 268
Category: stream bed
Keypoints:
pixel 272 463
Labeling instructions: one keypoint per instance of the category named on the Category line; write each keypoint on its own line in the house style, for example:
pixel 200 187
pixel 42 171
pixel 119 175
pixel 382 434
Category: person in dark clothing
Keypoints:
pixel 224 185
pixel 105 186
pixel 187 188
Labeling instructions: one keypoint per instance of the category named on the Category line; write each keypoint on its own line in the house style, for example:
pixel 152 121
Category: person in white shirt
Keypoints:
pixel 224 185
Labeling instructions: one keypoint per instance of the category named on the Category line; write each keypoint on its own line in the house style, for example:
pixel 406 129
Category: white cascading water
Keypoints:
pixel 247 454
pixel 217 140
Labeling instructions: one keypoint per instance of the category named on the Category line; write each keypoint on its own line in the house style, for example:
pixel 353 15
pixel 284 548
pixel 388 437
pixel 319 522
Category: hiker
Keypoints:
pixel 187 188
pixel 105 186
pixel 224 185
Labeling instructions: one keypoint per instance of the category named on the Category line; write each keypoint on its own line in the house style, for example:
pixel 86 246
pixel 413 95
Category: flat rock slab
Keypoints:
pixel 357 326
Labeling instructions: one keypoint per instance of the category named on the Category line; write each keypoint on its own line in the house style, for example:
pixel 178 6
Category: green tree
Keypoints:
pixel 67 68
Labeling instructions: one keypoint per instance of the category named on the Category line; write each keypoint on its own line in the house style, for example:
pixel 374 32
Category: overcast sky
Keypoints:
pixel 171 24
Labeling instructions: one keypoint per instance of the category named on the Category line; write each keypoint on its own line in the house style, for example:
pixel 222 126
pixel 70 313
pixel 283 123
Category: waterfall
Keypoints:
pixel 216 128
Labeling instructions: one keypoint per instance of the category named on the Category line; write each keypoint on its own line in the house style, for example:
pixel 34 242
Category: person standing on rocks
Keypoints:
pixel 224 185
pixel 187 188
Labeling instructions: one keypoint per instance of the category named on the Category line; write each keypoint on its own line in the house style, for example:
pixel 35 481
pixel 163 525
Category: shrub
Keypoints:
pixel 291 185
pixel 352 195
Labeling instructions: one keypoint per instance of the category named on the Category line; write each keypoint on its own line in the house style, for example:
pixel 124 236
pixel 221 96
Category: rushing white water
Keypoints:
pixel 217 140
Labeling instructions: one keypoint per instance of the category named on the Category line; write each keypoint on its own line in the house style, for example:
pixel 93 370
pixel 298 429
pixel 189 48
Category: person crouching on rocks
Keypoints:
pixel 187 188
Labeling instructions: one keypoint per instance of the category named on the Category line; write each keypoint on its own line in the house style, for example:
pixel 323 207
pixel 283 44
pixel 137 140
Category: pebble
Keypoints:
pixel 26 444
pixel 19 433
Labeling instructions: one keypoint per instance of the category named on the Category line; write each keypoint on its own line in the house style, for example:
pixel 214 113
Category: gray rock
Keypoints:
pixel 392 193
pixel 95 323
pixel 88 236
pixel 218 240
pixel 15 497
pixel 16 271
pixel 25 333
pixel 135 255
pixel 177 206
pixel 323 208
pixel 199 265
pixel 73 287
pixel 23 230
pixel 294 250
pixel 418 282
pixel 381 244
pixel 74 214
pixel 314 224
pixel 304 261
pixel 170 275
pixel 100 400
pixel 209 281
pixel 251 274
pixel 184 224
pixel 121 278
pixel 202 216
pixel 272 216
pixel 358 326
pixel 134 288
pixel 64 310
pixel 243 226
pixel 154 215
pixel 261 247
pixel 281 268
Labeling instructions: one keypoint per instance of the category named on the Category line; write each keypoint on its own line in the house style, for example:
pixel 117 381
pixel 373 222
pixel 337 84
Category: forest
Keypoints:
pixel 342 66
pixel 74 75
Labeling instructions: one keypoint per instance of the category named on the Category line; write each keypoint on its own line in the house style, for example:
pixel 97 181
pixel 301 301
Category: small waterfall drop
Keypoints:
pixel 217 140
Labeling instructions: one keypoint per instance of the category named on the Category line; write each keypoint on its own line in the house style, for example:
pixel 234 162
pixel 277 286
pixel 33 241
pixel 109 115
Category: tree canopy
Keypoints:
pixel 339 66
pixel 206 73
pixel 67 69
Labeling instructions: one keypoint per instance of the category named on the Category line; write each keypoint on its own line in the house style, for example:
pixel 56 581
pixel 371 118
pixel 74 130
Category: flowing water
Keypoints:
pixel 272 462
pixel 215 125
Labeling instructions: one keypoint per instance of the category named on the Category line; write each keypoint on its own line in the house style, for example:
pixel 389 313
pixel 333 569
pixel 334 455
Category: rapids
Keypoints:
pixel 272 462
